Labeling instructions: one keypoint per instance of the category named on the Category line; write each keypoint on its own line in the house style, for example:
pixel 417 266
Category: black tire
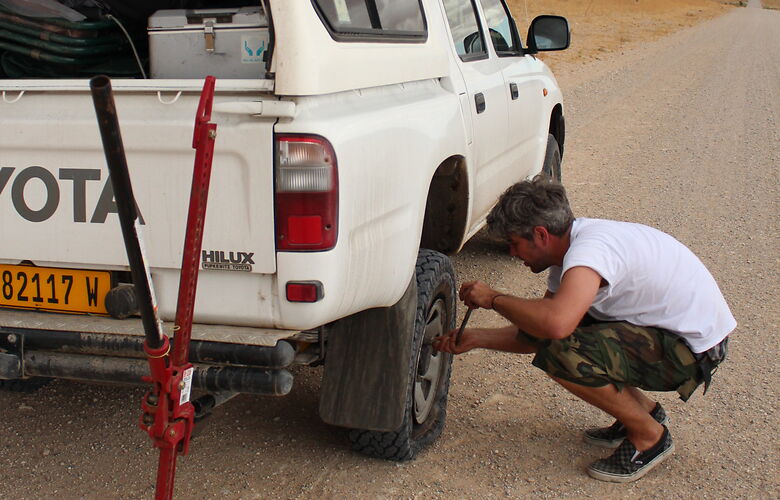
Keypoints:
pixel 24 385
pixel 552 159
pixel 426 400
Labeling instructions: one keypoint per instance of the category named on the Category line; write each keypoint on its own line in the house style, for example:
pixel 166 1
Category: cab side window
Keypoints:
pixel 374 20
pixel 401 16
pixel 503 32
pixel 466 31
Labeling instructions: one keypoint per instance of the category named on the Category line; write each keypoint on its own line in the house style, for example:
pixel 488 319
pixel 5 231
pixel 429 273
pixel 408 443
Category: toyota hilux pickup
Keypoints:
pixel 359 144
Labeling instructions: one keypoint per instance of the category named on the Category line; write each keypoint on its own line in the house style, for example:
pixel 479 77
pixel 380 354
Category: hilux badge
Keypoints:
pixel 222 260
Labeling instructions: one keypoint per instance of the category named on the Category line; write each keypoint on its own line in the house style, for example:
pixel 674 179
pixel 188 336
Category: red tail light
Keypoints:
pixel 304 291
pixel 306 193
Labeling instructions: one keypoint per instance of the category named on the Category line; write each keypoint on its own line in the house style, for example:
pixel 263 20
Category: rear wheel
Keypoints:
pixel 552 159
pixel 426 400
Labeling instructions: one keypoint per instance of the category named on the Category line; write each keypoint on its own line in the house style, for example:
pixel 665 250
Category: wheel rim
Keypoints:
pixel 429 364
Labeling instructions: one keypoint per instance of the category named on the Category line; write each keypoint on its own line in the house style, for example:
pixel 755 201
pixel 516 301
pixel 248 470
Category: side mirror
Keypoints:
pixel 548 33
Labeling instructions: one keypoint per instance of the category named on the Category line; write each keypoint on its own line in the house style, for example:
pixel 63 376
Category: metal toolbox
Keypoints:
pixel 226 43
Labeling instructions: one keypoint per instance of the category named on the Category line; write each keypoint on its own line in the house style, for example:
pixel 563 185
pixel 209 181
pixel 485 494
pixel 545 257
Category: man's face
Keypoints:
pixel 532 252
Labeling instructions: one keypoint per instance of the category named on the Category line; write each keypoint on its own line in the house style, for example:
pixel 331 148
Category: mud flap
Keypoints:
pixel 367 366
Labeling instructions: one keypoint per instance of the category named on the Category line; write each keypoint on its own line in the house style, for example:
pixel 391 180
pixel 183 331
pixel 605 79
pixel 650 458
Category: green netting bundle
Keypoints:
pixel 34 47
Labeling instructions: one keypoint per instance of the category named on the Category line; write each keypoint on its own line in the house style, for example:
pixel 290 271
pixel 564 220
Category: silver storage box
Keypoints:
pixel 226 43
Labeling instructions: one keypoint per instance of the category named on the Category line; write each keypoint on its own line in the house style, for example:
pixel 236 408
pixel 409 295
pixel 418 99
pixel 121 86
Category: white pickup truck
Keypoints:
pixel 358 143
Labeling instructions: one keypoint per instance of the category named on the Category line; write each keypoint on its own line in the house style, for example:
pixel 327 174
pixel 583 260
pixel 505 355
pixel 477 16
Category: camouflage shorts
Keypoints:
pixel 622 354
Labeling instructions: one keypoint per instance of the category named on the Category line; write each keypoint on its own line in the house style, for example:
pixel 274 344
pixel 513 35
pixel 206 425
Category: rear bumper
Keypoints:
pixel 132 327
pixel 102 349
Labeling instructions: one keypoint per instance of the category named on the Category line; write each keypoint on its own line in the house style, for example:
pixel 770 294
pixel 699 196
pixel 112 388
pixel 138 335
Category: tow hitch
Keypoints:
pixel 168 415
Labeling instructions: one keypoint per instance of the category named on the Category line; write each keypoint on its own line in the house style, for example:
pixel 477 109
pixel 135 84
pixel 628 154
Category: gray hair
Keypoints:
pixel 540 201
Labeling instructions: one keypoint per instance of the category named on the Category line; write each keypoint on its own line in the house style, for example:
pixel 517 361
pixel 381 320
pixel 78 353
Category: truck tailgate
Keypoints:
pixel 56 202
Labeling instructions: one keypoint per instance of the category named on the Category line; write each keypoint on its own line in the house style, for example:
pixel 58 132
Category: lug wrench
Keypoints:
pixel 463 325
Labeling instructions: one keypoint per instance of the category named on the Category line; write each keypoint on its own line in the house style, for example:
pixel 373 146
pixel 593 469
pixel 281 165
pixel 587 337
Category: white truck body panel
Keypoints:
pixel 529 113
pixel 299 55
pixel 386 188
pixel 393 112
pixel 489 129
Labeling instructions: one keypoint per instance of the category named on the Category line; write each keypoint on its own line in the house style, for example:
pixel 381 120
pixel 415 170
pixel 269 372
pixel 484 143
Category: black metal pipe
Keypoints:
pixel 279 356
pixel 10 366
pixel 100 344
pixel 235 379
pixel 206 403
pixel 130 371
pixel 108 123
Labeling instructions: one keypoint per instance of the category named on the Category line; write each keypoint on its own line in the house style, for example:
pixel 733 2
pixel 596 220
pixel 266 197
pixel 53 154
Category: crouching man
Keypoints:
pixel 628 307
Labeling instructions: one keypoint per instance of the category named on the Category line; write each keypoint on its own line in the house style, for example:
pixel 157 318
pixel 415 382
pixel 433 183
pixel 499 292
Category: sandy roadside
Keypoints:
pixel 600 28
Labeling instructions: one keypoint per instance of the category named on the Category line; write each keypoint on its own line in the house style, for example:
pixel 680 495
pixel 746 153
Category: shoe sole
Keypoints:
pixel 627 478
pixel 603 443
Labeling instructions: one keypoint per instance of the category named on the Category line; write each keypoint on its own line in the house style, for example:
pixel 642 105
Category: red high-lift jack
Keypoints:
pixel 168 415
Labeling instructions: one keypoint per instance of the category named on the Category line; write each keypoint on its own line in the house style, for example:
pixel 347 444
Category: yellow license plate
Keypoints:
pixel 54 289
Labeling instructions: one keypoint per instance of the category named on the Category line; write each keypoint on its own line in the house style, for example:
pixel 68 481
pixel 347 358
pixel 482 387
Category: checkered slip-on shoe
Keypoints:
pixel 628 464
pixel 612 436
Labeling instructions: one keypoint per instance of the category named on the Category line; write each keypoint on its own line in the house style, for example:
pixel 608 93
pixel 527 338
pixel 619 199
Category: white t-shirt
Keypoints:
pixel 652 280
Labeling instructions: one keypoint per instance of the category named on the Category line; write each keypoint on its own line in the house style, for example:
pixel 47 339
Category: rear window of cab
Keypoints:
pixel 373 20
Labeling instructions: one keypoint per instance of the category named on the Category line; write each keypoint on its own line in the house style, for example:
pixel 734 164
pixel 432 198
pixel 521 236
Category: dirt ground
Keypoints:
pixel 661 130
pixel 601 28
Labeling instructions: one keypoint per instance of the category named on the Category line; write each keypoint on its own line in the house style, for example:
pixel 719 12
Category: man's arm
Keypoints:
pixel 552 317
pixel 498 339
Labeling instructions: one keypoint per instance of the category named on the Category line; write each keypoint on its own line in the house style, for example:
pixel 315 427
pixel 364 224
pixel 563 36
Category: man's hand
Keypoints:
pixel 477 294
pixel 446 342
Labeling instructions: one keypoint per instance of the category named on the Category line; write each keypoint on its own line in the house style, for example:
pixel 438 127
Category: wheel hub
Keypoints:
pixel 429 364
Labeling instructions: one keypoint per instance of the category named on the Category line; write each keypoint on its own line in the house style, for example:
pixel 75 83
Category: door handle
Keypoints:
pixel 479 100
pixel 513 90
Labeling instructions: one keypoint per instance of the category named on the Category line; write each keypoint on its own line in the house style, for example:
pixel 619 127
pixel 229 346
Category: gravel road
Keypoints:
pixel 681 134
